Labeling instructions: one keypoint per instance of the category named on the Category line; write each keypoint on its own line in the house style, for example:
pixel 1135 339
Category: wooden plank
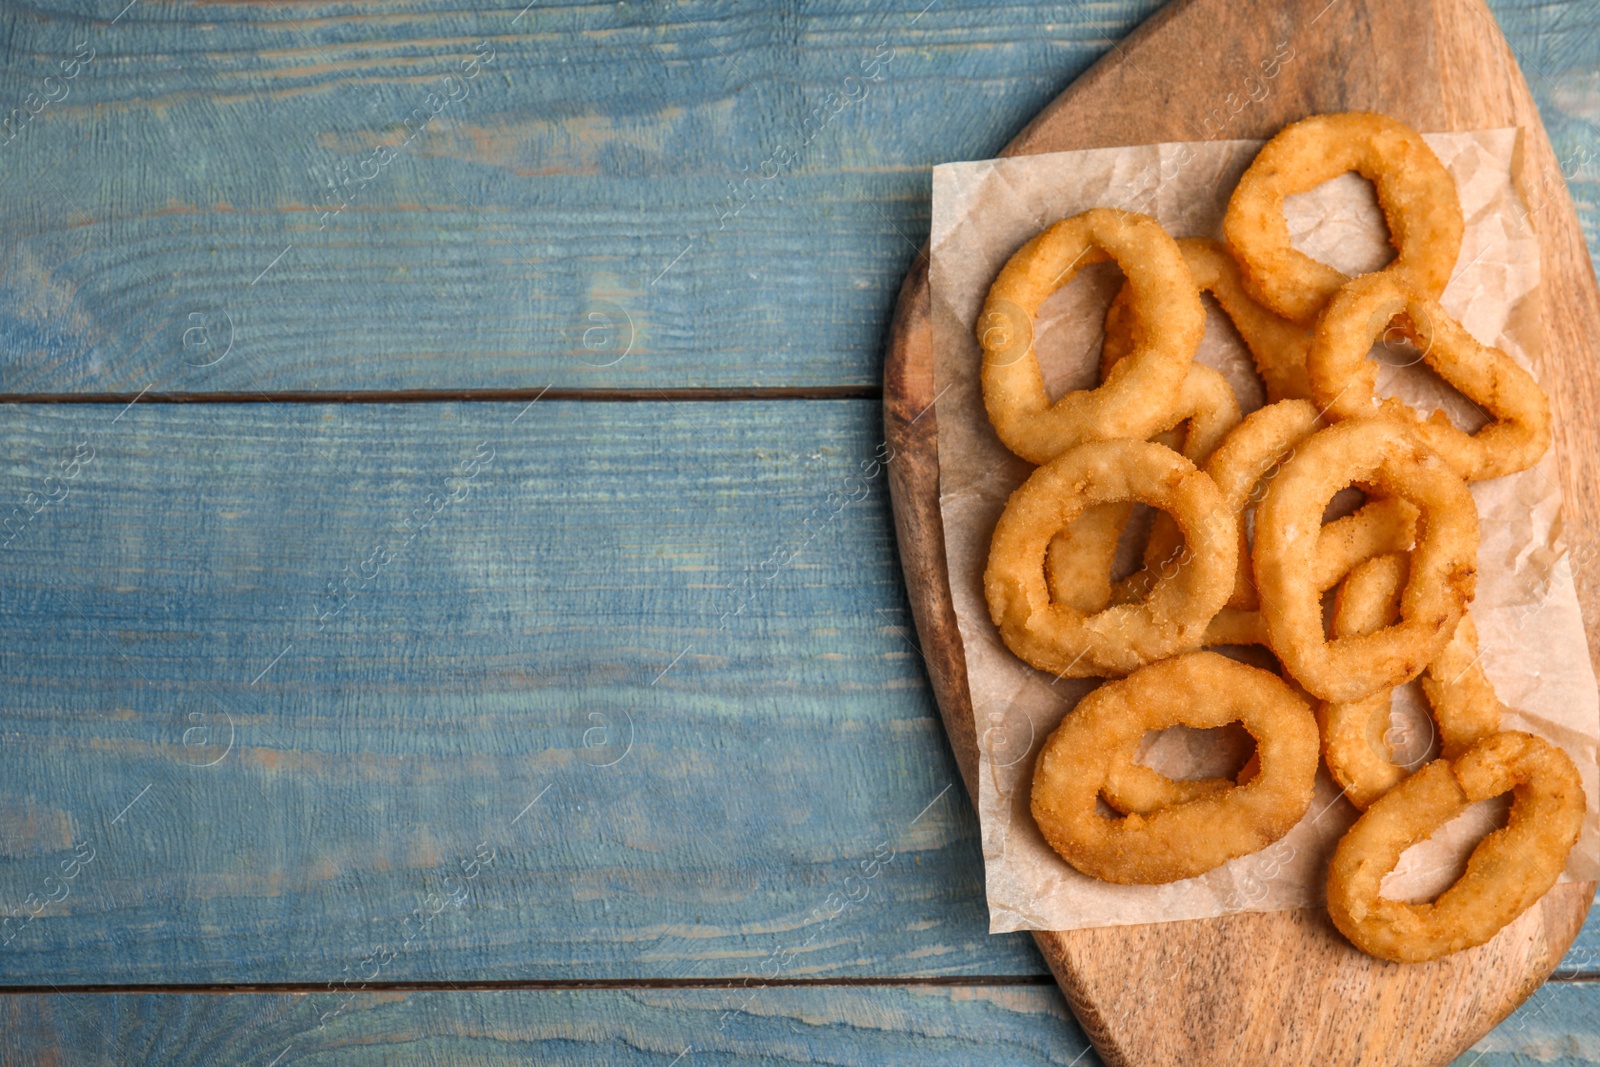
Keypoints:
pixel 1029 1025
pixel 1558 48
pixel 665 1027
pixel 582 217
pixel 589 213
pixel 656 658
pixel 1583 958
pixel 144 617
pixel 1559 1024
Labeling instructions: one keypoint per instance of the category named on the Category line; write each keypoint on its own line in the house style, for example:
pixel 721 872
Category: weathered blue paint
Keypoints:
pixel 627 195
pixel 917 1025
pixel 590 211
pixel 594 211
pixel 682 620
pixel 1027 1025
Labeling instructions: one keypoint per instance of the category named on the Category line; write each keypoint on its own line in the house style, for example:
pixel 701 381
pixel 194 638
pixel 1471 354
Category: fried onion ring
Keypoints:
pixel 1079 560
pixel 1277 346
pixel 1136 399
pixel 1233 626
pixel 1377 528
pixel 1068 642
pixel 1506 874
pixel 1343 378
pixel 1415 191
pixel 1261 442
pixel 1355 742
pixel 1102 734
pixel 1383 454
pixel 1464 703
pixel 1239 465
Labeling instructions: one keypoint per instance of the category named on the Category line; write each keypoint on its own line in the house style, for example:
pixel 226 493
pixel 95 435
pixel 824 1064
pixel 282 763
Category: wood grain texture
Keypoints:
pixel 918 1026
pixel 629 195
pixel 1281 987
pixel 145 613
pixel 565 226
pixel 993 1026
pixel 599 616
pixel 531 234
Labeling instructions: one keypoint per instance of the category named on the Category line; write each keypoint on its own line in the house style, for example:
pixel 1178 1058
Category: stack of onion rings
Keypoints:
pixel 1355 734
pixel 1239 552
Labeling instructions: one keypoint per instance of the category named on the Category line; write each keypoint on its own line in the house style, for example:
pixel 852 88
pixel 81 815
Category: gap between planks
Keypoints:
pixel 552 985
pixel 427 396
pixel 570 985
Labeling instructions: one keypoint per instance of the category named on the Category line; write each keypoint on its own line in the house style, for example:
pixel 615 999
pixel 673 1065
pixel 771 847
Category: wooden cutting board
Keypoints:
pixel 1279 988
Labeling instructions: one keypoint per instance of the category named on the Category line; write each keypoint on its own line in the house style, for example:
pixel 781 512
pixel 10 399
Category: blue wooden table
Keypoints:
pixel 450 602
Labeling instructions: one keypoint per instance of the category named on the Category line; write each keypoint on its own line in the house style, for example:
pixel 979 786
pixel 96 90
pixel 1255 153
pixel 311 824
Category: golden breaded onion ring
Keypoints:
pixel 1240 467
pixel 1277 346
pixel 1383 454
pixel 1235 626
pixel 1343 379
pixel 1377 528
pixel 1078 565
pixel 1068 642
pixel 1506 874
pixel 1355 742
pixel 1100 736
pixel 1248 454
pixel 1079 561
pixel 1415 191
pixel 1464 703
pixel 1136 399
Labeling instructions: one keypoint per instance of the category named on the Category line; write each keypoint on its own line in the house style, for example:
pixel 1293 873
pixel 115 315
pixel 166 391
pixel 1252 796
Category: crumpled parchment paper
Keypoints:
pixel 1531 630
